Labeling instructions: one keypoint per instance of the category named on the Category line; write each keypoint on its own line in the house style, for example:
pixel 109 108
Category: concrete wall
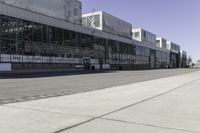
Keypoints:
pixel 33 66
pixel 69 10
pixel 5 67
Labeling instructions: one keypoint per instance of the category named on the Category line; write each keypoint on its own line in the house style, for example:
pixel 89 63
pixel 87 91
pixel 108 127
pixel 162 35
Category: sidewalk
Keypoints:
pixel 167 105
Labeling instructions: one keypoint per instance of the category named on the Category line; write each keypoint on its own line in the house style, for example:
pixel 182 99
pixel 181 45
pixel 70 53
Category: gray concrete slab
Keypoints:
pixel 115 107
pixel 19 120
pixel 179 109
pixel 96 103
pixel 107 126
pixel 18 90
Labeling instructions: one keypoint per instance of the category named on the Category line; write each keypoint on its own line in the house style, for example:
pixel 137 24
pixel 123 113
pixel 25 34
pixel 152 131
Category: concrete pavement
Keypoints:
pixel 34 88
pixel 166 105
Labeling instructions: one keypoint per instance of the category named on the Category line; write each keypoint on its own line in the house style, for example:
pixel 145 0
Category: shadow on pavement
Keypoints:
pixel 18 75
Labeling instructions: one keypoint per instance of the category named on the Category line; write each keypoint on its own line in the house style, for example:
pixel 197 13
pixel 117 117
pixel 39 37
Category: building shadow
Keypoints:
pixel 45 74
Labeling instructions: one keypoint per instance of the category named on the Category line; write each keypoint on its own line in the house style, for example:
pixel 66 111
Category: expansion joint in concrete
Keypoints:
pixel 149 125
pixel 126 107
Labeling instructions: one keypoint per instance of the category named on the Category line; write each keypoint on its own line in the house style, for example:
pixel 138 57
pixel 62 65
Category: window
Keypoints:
pixel 137 34
pixel 158 41
pixel 145 34
pixel 97 20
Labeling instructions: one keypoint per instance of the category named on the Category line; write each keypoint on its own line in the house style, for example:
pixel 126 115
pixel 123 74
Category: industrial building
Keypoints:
pixel 183 59
pixel 107 23
pixel 144 36
pixel 161 42
pixel 174 54
pixel 41 35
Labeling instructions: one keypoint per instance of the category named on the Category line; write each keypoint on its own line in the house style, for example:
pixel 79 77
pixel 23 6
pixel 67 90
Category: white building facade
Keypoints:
pixel 161 42
pixel 143 36
pixel 107 23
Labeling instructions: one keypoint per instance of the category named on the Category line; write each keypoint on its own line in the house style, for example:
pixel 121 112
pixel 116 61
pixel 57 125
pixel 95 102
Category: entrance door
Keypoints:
pixel 86 63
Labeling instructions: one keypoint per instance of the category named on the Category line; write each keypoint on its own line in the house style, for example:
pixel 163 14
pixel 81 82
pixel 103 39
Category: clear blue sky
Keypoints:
pixel 175 20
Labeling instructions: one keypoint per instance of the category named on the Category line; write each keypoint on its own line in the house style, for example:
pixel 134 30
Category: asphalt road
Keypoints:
pixel 17 89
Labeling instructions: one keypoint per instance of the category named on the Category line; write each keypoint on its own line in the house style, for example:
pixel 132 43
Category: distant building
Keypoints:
pixel 174 54
pixel 107 23
pixel 175 48
pixel 143 36
pixel 198 64
pixel 161 42
pixel 158 56
pixel 183 58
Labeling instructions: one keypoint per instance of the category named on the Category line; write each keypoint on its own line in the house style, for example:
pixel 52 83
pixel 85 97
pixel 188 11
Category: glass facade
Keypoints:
pixel 162 59
pixel 174 60
pixel 120 53
pixel 24 41
pixel 149 37
pixel 164 43
pixel 142 55
pixel 21 37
